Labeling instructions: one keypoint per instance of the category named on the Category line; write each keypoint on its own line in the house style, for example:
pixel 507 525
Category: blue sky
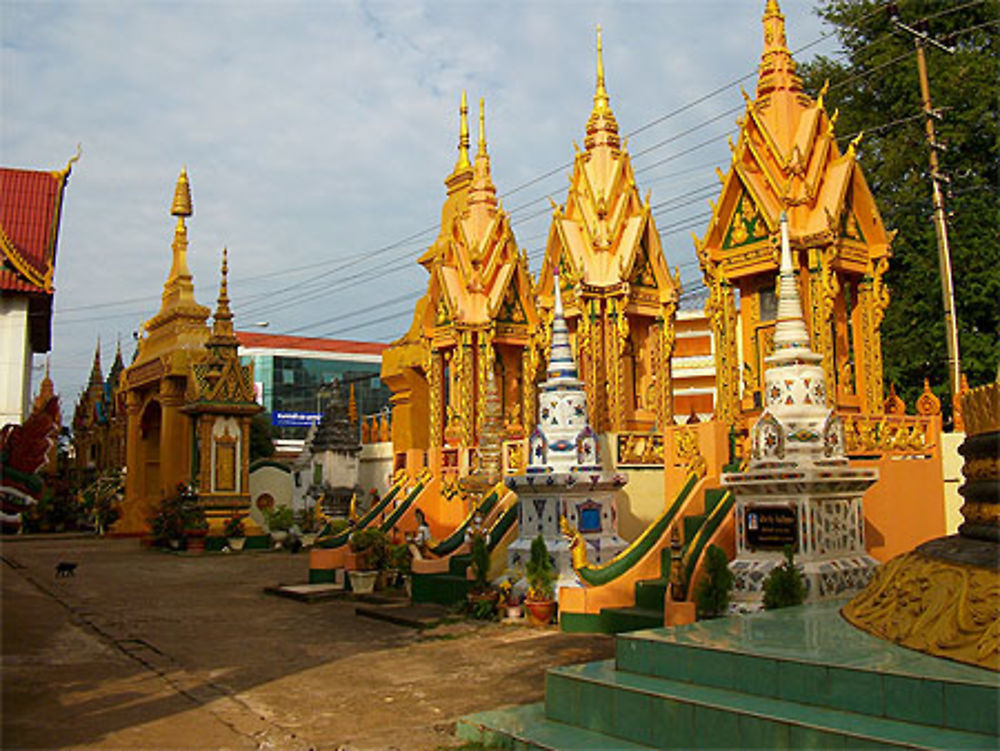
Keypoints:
pixel 317 134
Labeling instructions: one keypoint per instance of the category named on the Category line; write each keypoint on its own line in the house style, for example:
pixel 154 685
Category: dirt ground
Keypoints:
pixel 143 649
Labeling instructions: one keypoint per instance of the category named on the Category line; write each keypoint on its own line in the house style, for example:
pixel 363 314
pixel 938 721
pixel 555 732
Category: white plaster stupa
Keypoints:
pixel 799 488
pixel 564 476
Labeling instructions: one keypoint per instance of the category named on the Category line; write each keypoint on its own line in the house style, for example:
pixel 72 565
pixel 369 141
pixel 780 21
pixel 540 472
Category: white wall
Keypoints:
pixel 15 360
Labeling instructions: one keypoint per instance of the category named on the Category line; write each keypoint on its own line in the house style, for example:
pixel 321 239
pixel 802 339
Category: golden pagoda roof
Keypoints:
pixel 787 159
pixel 604 231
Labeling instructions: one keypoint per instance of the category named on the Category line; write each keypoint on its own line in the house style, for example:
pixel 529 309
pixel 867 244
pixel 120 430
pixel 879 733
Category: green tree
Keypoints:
pixel 874 84
pixel 261 445
pixel 712 595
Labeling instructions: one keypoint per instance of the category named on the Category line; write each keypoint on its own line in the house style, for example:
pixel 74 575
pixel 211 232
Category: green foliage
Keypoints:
pixel 178 514
pixel 261 437
pixel 875 84
pixel 784 586
pixel 712 595
pixel 400 558
pixel 305 519
pixel 483 610
pixel 338 525
pixel 280 519
pixel 480 563
pixel 234 526
pixel 540 572
pixel 371 544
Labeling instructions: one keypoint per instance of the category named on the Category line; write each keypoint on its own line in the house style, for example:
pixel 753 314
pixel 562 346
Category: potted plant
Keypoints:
pixel 400 562
pixel 541 576
pixel 305 520
pixel 370 546
pixel 482 598
pixel 279 521
pixel 510 599
pixel 234 532
pixel 784 586
pixel 712 594
pixel 180 521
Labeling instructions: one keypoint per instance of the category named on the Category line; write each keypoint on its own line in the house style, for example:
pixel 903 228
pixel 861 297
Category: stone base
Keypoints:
pixel 824 579
pixel 936 604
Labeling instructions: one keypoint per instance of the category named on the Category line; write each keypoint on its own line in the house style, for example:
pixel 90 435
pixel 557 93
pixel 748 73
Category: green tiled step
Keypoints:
pixel 526 727
pixel 672 714
pixel 458 564
pixel 445 589
pixel 616 620
pixel 649 594
pixel 810 655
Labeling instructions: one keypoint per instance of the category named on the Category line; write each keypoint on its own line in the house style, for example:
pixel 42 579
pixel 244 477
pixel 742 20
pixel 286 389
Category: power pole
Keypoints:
pixel 920 40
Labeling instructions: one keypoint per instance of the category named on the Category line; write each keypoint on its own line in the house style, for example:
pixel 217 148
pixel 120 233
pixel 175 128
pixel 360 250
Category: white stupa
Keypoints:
pixel 799 488
pixel 564 477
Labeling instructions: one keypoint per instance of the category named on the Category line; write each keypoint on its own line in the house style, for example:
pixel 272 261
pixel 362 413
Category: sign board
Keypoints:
pixel 771 527
pixel 295 419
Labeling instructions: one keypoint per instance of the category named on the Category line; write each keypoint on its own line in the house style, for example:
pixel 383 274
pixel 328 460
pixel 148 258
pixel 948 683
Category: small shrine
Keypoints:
pixel 799 489
pixel 564 481
pixel 334 455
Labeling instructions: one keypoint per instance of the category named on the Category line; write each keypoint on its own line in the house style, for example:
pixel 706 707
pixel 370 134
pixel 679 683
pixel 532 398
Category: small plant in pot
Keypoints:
pixel 308 524
pixel 784 586
pixel 482 598
pixel 180 520
pixel 400 564
pixel 371 549
pixel 234 532
pixel 509 598
pixel 279 521
pixel 541 576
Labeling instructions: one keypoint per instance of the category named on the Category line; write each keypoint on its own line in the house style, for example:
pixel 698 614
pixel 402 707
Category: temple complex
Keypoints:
pixel 786 159
pixel 620 297
pixel 476 320
pixel 188 399
pixel 99 419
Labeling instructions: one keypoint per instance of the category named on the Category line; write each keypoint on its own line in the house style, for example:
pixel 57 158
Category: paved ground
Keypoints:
pixel 144 649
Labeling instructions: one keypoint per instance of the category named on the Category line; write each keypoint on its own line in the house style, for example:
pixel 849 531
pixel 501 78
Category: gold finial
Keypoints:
pixel 463 134
pixel 601 94
pixel 482 127
pixel 182 196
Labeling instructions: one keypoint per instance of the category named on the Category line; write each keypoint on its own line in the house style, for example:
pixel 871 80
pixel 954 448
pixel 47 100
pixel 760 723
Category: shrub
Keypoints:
pixel 234 527
pixel 177 514
pixel 480 564
pixel 337 526
pixel 784 586
pixel 372 545
pixel 540 572
pixel 712 594
pixel 280 519
pixel 400 558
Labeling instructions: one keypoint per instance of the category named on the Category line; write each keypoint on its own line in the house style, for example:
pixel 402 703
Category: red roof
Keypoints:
pixel 282 341
pixel 29 219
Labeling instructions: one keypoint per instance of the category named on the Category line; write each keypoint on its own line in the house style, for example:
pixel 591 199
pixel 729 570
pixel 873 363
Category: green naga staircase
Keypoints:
pixel 647 612
pixel 453 586
pixel 793 678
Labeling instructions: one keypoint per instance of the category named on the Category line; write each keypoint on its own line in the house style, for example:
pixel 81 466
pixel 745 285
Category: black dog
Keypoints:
pixel 65 568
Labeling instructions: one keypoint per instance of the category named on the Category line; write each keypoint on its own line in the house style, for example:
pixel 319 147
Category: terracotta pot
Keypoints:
pixel 196 539
pixel 540 612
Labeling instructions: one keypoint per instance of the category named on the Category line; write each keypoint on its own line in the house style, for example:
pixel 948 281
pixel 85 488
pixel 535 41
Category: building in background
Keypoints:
pixel 30 208
pixel 292 374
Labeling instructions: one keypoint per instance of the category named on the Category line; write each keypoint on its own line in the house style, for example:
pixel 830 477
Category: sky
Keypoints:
pixel 317 136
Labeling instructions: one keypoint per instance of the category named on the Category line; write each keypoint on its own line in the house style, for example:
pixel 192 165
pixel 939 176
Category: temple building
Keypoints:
pixel 189 401
pixel 786 158
pixel 620 298
pixel 99 420
pixel 30 210
pixel 476 319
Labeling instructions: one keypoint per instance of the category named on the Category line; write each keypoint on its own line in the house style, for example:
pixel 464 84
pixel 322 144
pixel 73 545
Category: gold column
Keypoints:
pixel 467 375
pixel 823 289
pixel 872 300
pixel 437 406
pixel 720 309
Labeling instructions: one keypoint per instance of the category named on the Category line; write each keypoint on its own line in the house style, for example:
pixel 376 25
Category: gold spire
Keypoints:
pixel 96 377
pixel 182 196
pixel 463 135
pixel 222 325
pixel 602 128
pixel 777 68
pixel 482 190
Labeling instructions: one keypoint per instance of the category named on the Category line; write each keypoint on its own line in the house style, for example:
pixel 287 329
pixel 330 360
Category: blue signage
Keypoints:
pixel 295 419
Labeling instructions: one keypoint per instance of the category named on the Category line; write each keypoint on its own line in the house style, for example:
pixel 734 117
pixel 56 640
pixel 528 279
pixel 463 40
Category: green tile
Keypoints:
pixel 676 728
pixel 970 708
pixel 597 707
pixel 635 716
pixel 802 737
pixel 562 698
pixel 713 668
pixel 760 732
pixel 755 675
pixel 914 700
pixel 797 681
pixel 716 728
pixel 853 690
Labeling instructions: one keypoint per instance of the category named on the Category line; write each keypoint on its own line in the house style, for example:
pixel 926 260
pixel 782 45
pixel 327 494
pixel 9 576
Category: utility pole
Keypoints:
pixel 920 40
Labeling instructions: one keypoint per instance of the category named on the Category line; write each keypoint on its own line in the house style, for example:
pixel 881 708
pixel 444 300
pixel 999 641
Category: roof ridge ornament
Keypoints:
pixel 602 128
pixel 777 67
pixel 463 162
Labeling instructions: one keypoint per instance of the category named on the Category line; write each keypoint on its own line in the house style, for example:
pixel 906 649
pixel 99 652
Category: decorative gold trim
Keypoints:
pixel 981 409
pixel 933 606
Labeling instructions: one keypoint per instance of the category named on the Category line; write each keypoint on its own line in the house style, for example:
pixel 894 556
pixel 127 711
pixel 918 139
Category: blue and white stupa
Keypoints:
pixel 564 477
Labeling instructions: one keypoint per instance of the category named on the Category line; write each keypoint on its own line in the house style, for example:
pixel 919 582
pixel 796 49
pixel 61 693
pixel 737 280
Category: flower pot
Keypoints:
pixel 408 584
pixel 514 612
pixel 308 539
pixel 278 537
pixel 363 582
pixel 236 543
pixel 540 612
pixel 175 543
pixel 196 539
